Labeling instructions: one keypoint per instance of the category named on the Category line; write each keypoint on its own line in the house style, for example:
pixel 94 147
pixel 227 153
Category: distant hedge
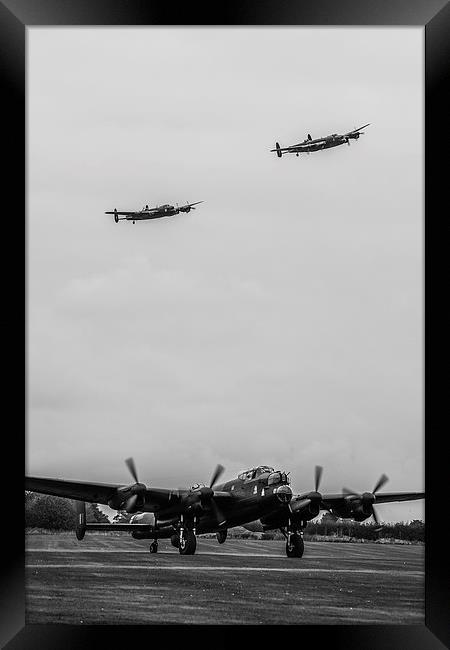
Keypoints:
pixel 52 513
pixel 413 531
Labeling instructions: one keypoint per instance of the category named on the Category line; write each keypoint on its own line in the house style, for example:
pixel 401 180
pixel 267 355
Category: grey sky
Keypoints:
pixel 281 322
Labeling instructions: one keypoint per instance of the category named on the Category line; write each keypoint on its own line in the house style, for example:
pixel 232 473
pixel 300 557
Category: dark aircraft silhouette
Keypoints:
pixel 258 499
pixel 152 213
pixel 327 142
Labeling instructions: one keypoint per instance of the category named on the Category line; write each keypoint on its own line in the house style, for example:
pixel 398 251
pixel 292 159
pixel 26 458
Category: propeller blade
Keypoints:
pixel 349 493
pixel 217 474
pixel 132 467
pixel 317 476
pixel 377 520
pixel 217 512
pixel 381 481
pixel 375 516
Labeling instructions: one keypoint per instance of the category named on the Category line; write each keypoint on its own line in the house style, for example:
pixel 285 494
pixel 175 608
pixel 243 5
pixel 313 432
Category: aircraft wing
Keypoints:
pixel 79 490
pixel 356 130
pixel 97 492
pixel 105 492
pixel 124 213
pixel 300 146
pixel 308 142
pixel 330 500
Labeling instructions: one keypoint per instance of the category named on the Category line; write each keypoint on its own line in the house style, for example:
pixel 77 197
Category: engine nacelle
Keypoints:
pixel 360 512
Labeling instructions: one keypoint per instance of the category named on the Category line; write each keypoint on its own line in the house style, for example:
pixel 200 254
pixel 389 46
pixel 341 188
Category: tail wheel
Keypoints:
pixel 295 545
pixel 188 543
pixel 154 547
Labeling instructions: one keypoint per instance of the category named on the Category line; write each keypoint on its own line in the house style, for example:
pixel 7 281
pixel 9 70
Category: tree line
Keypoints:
pixel 57 513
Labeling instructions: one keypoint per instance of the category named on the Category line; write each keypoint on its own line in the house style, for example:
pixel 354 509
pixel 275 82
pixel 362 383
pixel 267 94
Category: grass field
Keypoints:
pixel 114 579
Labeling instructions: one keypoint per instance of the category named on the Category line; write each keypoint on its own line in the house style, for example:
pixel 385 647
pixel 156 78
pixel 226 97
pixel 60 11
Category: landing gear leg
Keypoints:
pixel 294 541
pixel 188 539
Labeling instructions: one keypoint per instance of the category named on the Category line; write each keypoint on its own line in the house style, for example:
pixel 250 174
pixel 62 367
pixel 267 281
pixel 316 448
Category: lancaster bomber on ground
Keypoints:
pixel 309 145
pixel 152 213
pixel 259 499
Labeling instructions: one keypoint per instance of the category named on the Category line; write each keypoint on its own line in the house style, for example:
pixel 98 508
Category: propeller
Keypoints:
pixel 367 499
pixel 206 495
pixel 137 489
pixel 313 499
pixel 214 507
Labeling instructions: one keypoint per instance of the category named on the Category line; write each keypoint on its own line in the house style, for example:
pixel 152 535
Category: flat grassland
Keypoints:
pixel 113 579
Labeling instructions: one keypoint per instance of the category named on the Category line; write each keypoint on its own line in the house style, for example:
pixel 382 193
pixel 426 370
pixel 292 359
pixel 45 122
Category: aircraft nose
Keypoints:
pixel 284 493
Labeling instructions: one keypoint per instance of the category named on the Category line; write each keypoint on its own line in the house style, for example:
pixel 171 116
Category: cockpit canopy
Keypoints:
pixel 256 471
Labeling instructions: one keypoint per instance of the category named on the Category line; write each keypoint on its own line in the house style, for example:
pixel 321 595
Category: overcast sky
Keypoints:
pixel 279 323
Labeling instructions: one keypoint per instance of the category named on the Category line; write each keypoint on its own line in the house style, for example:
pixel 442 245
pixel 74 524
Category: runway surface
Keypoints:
pixel 115 580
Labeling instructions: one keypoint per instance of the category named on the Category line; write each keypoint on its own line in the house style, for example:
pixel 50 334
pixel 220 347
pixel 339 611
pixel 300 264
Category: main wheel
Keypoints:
pixel 154 547
pixel 295 545
pixel 188 543
pixel 175 541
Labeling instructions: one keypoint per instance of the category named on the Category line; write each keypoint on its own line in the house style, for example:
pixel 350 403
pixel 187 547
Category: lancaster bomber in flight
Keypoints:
pixel 259 499
pixel 152 213
pixel 309 145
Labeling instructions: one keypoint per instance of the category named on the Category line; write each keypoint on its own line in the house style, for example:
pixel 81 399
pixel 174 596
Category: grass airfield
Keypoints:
pixel 113 579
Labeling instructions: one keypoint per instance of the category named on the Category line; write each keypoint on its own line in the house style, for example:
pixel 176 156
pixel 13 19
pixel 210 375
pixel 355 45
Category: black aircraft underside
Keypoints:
pixel 310 145
pixel 259 497
pixel 157 212
pixel 149 215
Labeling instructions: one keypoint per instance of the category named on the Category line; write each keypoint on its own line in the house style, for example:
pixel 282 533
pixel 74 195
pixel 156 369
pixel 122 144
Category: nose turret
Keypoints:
pixel 284 493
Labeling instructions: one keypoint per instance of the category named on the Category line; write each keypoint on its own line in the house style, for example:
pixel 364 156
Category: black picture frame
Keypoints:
pixel 434 16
